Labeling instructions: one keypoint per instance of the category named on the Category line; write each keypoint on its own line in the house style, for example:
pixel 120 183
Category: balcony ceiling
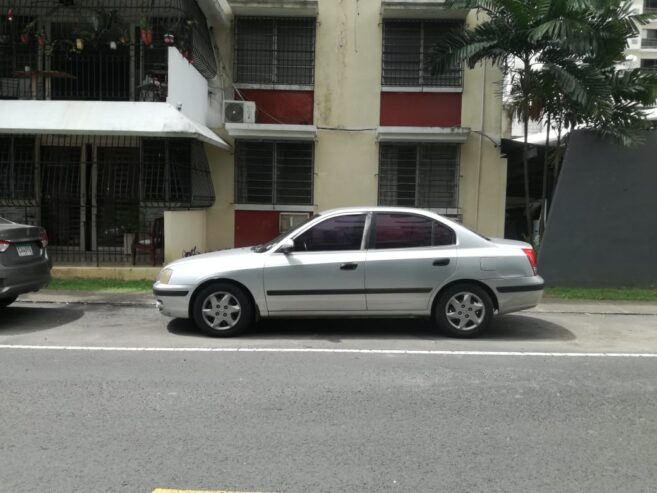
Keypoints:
pixel 102 118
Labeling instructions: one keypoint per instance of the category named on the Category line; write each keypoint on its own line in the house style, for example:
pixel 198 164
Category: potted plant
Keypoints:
pixel 41 38
pixel 146 31
pixel 27 32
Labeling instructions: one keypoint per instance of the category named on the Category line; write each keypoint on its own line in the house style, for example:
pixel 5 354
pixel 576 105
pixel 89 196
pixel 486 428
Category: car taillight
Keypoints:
pixel 44 238
pixel 531 256
pixel 4 244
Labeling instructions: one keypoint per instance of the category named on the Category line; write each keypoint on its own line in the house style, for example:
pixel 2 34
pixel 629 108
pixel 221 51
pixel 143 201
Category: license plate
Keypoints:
pixel 24 250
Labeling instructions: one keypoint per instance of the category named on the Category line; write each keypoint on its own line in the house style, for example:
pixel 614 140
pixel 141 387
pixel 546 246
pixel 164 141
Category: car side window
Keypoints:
pixel 392 230
pixel 336 233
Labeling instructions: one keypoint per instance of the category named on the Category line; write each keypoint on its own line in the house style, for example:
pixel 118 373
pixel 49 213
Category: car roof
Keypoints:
pixel 370 208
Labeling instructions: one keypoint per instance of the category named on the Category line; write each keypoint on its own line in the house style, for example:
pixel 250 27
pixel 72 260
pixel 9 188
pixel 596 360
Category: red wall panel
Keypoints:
pixel 254 227
pixel 289 107
pixel 421 109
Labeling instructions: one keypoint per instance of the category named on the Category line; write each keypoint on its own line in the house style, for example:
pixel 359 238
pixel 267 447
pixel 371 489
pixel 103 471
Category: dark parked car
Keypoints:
pixel 24 262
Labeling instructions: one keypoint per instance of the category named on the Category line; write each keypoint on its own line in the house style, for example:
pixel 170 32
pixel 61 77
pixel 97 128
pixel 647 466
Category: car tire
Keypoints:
pixel 5 302
pixel 223 310
pixel 463 310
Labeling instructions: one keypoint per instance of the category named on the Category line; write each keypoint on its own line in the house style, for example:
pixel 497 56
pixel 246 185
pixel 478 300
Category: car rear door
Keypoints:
pixel 408 257
pixel 324 273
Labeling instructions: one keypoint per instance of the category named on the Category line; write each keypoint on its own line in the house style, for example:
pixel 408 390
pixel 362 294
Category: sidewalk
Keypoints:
pixel 548 305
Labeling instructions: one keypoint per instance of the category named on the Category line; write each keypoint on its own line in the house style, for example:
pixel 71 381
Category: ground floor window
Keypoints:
pixel 419 175
pixel 274 173
pixel 101 198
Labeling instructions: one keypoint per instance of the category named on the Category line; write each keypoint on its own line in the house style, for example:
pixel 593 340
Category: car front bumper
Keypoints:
pixel 172 300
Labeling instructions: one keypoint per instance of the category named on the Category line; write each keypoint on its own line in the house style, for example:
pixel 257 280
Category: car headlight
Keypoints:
pixel 164 276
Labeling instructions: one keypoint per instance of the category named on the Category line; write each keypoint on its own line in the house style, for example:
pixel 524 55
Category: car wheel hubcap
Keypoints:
pixel 221 310
pixel 465 311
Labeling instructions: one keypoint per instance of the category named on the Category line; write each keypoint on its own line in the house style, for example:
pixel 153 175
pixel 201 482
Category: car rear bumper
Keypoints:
pixel 24 278
pixel 518 293
pixel 172 301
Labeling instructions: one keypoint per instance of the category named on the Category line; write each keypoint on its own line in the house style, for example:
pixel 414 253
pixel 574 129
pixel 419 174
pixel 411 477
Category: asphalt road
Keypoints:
pixel 101 398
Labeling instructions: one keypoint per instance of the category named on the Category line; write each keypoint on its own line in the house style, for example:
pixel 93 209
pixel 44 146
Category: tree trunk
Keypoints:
pixel 545 178
pixel 525 169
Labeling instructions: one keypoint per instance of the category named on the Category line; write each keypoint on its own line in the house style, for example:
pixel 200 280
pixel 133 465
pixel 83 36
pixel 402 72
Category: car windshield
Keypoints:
pixel 265 247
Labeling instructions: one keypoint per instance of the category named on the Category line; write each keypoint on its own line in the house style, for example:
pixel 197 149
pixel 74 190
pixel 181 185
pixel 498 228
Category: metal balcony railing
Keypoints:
pixel 114 50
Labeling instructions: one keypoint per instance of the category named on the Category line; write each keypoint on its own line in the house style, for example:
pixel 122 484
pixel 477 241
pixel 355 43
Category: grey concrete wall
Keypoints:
pixel 602 229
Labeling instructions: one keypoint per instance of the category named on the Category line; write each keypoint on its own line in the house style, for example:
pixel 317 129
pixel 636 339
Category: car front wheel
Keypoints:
pixel 222 310
pixel 463 310
pixel 5 302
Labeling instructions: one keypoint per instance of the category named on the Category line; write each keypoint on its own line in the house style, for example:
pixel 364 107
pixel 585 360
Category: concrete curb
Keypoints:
pixel 548 305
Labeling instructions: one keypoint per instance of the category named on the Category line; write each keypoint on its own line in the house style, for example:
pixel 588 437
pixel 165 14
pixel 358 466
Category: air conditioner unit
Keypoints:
pixel 289 220
pixel 239 111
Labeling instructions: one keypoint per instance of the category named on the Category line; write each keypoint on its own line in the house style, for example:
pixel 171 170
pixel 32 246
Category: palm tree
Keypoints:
pixel 558 58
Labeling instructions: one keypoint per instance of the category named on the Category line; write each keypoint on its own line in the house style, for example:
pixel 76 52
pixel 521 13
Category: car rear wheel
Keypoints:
pixel 5 302
pixel 463 310
pixel 222 310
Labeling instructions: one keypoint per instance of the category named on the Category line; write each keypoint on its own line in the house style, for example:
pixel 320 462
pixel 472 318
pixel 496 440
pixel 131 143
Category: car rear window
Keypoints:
pixel 409 231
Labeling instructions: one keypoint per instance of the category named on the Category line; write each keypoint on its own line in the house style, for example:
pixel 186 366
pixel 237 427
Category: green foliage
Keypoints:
pixel 561 63
pixel 611 294
pixel 561 60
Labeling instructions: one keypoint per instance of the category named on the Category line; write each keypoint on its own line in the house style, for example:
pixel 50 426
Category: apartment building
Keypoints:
pixel 642 51
pixel 136 131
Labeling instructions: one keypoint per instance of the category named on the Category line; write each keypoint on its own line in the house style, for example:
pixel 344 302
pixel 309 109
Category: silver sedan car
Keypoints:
pixel 370 261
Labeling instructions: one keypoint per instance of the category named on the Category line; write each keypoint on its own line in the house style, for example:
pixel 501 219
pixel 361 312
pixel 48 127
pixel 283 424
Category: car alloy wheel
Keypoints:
pixel 221 310
pixel 465 311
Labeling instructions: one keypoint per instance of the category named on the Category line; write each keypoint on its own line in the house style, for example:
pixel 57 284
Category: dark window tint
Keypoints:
pixel 409 231
pixel 338 233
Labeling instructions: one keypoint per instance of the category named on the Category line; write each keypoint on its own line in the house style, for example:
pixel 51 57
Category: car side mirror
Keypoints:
pixel 286 246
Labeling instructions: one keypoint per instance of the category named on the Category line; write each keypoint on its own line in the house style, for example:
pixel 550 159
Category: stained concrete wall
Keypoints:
pixel 184 231
pixel 347 99
pixel 602 228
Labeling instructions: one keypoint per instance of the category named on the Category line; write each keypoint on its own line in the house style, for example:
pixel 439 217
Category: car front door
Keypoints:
pixel 408 257
pixel 324 273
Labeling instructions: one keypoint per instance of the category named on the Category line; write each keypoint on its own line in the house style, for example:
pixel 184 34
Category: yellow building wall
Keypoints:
pixel 347 98
pixel 220 218
pixel 482 188
pixel 346 112
pixel 184 231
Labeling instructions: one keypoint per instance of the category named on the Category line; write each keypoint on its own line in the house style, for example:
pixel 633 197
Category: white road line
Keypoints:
pixel 328 350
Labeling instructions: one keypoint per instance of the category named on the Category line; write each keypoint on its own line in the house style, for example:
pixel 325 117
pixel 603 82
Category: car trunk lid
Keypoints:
pixel 22 242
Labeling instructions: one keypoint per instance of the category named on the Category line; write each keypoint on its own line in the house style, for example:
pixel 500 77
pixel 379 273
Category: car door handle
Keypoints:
pixel 349 266
pixel 439 262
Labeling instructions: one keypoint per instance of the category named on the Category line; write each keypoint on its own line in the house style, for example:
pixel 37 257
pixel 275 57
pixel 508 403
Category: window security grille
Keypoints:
pixel 274 51
pixel 91 49
pixel 274 173
pixel 96 194
pixel 419 175
pixel 407 47
pixel 17 170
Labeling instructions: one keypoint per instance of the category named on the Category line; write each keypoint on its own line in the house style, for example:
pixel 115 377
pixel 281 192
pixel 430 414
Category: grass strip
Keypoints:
pixel 609 294
pixel 117 286
pixel 101 285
